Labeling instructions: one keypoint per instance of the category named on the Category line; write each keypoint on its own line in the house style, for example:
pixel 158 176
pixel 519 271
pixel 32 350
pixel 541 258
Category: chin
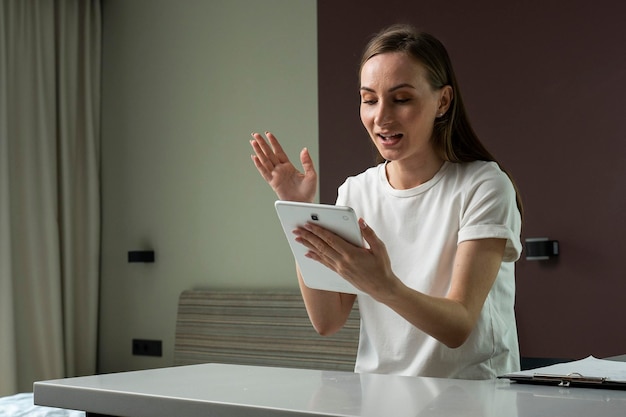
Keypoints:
pixel 387 155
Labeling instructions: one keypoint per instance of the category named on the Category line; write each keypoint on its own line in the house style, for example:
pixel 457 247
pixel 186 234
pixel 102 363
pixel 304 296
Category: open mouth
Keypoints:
pixel 390 139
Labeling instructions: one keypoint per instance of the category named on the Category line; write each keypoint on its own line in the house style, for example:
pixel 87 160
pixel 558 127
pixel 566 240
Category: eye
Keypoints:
pixel 402 100
pixel 368 99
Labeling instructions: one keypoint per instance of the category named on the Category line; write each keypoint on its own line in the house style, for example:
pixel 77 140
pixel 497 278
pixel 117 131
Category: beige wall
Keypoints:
pixel 184 85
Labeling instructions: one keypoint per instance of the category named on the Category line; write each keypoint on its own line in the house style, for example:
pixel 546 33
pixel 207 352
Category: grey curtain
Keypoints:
pixel 49 189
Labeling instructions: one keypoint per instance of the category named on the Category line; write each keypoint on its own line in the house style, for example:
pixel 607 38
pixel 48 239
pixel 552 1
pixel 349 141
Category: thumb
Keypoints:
pixel 370 236
pixel 307 162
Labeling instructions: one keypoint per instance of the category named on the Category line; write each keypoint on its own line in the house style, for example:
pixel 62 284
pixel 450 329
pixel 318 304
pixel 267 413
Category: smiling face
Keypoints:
pixel 399 107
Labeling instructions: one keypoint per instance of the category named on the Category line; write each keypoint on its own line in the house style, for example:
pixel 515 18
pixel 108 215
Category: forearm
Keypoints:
pixel 446 320
pixel 327 310
pixel 451 319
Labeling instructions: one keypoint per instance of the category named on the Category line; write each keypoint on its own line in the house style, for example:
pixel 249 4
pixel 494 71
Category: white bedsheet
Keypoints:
pixel 21 405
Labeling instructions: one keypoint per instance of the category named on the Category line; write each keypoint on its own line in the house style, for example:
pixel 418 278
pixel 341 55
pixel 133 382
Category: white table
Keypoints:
pixel 239 391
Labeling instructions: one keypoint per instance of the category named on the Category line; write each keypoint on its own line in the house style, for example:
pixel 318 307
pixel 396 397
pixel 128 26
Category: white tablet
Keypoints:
pixel 338 219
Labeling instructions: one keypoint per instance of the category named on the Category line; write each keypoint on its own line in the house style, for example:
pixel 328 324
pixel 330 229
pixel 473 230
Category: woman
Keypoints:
pixel 443 224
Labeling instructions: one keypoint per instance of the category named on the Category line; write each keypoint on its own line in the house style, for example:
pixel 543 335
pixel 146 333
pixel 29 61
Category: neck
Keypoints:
pixel 403 176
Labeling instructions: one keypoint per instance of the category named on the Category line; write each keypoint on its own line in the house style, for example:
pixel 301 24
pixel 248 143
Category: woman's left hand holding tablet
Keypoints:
pixel 368 269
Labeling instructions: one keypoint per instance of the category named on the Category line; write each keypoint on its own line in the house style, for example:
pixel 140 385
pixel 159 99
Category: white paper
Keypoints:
pixel 588 367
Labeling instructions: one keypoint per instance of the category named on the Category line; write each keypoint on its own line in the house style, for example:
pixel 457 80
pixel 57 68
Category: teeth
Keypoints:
pixel 390 136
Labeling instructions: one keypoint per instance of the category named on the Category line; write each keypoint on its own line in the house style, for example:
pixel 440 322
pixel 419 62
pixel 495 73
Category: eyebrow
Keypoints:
pixel 392 89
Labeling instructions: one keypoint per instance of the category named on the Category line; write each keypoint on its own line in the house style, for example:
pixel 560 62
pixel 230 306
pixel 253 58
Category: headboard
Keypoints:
pixel 266 328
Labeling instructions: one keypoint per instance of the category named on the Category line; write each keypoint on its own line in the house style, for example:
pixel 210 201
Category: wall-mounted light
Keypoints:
pixel 541 249
pixel 144 256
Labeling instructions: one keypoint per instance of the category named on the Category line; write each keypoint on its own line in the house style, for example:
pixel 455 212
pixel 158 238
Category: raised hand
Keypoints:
pixel 275 167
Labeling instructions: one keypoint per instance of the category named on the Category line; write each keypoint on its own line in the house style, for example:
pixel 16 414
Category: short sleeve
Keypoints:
pixel 490 211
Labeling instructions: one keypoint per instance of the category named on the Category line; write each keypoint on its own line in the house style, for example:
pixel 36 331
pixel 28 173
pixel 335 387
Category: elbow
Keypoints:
pixel 454 343
pixel 456 339
pixel 325 328
pixel 326 325
pixel 458 331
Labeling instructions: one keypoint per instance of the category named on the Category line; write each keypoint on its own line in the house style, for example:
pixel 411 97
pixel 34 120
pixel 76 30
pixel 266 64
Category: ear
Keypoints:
pixel 445 99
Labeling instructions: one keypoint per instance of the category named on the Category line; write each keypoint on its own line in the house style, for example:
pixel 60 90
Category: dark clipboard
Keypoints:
pixel 585 373
pixel 573 380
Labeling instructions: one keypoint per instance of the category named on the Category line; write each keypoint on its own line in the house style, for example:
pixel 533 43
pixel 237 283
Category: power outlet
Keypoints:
pixel 142 347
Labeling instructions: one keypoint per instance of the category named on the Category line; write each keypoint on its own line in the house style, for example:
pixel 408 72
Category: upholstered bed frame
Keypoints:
pixel 266 328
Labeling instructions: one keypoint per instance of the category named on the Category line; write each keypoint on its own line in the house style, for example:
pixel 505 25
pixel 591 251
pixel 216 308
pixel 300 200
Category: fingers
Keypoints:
pixel 368 269
pixel 375 244
pixel 320 243
pixel 268 155
pixel 325 246
pixel 265 173
pixel 278 150
pixel 265 155
pixel 265 158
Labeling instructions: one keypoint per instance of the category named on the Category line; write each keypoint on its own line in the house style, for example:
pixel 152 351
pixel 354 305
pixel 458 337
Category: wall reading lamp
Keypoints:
pixel 541 249
pixel 144 256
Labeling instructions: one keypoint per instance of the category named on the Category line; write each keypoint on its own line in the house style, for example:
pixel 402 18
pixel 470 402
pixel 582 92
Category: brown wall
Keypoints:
pixel 545 87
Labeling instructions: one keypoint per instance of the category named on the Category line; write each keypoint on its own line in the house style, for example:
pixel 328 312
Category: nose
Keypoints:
pixel 383 114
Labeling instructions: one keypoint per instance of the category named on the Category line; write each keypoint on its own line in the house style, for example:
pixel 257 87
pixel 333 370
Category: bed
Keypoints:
pixel 21 405
pixel 265 328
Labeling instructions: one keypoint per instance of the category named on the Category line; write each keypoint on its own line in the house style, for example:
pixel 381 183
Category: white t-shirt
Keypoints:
pixel 421 228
